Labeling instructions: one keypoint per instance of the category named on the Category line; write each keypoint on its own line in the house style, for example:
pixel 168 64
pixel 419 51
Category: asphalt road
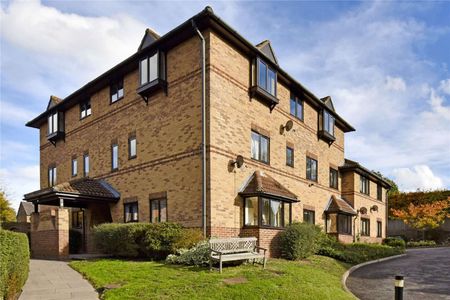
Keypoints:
pixel 426 271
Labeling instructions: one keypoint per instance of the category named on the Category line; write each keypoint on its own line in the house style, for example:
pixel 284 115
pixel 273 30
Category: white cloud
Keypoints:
pixel 11 113
pixel 418 177
pixel 445 86
pixel 395 84
pixel 17 181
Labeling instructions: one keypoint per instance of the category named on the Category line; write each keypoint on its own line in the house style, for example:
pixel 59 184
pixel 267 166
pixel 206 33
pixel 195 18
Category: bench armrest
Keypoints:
pixel 215 251
pixel 261 248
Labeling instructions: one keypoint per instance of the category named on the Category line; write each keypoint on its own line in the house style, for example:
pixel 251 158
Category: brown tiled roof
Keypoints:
pixel 339 205
pixel 87 187
pixel 353 165
pixel 27 207
pixel 266 48
pixel 262 183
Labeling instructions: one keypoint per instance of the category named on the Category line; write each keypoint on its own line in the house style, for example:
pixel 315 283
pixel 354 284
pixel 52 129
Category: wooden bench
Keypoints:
pixel 233 249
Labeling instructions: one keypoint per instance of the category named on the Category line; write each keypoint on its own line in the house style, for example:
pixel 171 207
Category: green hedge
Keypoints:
pixel 300 240
pixel 421 244
pixel 394 242
pixel 144 240
pixel 14 263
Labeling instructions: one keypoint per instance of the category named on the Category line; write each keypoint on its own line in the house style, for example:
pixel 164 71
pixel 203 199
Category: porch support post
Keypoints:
pixel 36 207
pixel 61 202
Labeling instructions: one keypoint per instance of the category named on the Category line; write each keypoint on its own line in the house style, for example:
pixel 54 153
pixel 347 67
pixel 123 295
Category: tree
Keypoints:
pixel 401 201
pixel 394 188
pixel 7 213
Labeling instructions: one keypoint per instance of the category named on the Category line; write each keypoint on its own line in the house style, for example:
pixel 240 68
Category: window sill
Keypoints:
pixel 82 118
pixel 132 157
pixel 262 227
pixel 326 136
pixel 288 165
pixel 297 118
pixel 117 100
pixel 55 135
pixel 152 87
pixel 260 161
pixel 258 92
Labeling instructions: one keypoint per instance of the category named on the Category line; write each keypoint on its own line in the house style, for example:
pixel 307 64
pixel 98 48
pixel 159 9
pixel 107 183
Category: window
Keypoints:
pixel 116 91
pixel 328 122
pixel 309 216
pixel 149 69
pixel 51 176
pixel 267 78
pixel 333 178
pixel 364 185
pixel 275 213
pixel 379 229
pixel 296 107
pixel 251 211
pixel 132 147
pixel 74 167
pixel 158 210
pixel 114 157
pixel 86 165
pixel 77 219
pixel 131 212
pixel 379 192
pixel 85 109
pixel 344 224
pixel 365 227
pixel 289 156
pixel 260 147
pixel 53 123
pixel 311 169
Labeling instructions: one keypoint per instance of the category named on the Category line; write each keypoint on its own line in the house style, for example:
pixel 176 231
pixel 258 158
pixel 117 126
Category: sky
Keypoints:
pixel 385 65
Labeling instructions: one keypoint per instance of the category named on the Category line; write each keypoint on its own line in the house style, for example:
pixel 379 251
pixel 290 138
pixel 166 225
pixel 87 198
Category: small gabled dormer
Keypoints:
pixel 264 75
pixel 326 121
pixel 152 67
pixel 55 121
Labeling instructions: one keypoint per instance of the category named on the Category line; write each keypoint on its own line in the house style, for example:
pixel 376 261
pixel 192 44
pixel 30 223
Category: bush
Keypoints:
pixel 300 240
pixel 144 240
pixel 14 263
pixel 421 244
pixel 195 256
pixel 394 242
pixel 75 241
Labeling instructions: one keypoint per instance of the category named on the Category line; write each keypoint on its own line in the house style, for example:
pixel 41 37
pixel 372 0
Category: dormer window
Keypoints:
pixel 326 127
pixel 85 109
pixel 55 126
pixel 264 82
pixel 152 74
pixel 116 90
pixel 53 123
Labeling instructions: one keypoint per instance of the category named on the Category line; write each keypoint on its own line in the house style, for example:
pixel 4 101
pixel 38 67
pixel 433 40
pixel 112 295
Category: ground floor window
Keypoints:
pixel 131 212
pixel 365 227
pixel 77 219
pixel 266 212
pixel 158 210
pixel 344 224
pixel 379 229
pixel 309 216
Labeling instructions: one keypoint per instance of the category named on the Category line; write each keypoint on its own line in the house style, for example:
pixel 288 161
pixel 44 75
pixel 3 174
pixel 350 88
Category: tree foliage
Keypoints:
pixel 7 213
pixel 394 187
pixel 401 201
pixel 424 216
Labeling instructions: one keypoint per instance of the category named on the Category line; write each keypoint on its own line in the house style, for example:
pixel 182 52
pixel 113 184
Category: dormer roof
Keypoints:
pixel 53 101
pixel 149 38
pixel 267 50
pixel 328 103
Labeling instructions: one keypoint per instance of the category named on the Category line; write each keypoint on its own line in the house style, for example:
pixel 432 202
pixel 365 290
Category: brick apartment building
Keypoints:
pixel 203 128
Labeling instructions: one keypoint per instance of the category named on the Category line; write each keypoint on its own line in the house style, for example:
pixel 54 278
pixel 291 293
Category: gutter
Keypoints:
pixel 194 26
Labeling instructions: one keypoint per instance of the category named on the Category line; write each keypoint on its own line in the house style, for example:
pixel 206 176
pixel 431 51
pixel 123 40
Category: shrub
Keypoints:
pixel 421 244
pixel 189 238
pixel 195 256
pixel 75 241
pixel 394 242
pixel 160 239
pixel 14 263
pixel 300 240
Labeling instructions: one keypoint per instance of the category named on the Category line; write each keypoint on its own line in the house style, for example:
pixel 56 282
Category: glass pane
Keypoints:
pixel 120 93
pixel 251 211
pixel 154 211
pixel 55 122
pixel 54 175
pixel 289 157
pixel 262 80
pixel 271 88
pixel 88 111
pixel 153 74
pixel 308 168
pixel 113 97
pixel 163 210
pixel 144 71
pixel 115 159
pixel 264 149
pixel 266 211
pixel 286 214
pixel 299 109
pixel 50 124
pixel 275 213
pixel 74 167
pixel 134 209
pixel 132 147
pixel 293 106
pixel 314 169
pixel 255 145
pixel 86 165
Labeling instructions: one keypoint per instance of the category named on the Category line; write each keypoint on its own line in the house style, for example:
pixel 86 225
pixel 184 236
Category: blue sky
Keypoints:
pixel 385 64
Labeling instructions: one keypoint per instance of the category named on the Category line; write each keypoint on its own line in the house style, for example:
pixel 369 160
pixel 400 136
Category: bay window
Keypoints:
pixel 344 224
pixel 267 78
pixel 266 212
pixel 328 122
pixel 55 126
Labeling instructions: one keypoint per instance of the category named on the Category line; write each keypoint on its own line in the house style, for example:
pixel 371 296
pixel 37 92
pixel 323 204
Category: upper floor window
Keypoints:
pixel 114 157
pixel 158 210
pixel 116 90
pixel 151 68
pixel 296 107
pixel 289 156
pixel 379 192
pixel 267 77
pixel 53 123
pixel 260 147
pixel 311 169
pixel 333 178
pixel 131 212
pixel 364 185
pixel 74 166
pixel 309 216
pixel 86 165
pixel 132 147
pixel 328 122
pixel 51 176
pixel 365 227
pixel 85 109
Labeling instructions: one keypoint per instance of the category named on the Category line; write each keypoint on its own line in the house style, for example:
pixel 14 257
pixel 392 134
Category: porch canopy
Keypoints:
pixel 75 193
pixel 340 206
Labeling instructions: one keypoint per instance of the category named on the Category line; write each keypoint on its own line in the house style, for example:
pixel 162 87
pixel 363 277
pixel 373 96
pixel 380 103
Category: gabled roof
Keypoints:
pixel 328 103
pixel 149 38
pixel 84 188
pixel 28 207
pixel 351 165
pixel 53 102
pixel 339 205
pixel 261 183
pixel 266 48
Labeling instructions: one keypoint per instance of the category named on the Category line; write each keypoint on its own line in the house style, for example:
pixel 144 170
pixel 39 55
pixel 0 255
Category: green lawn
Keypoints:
pixel 317 278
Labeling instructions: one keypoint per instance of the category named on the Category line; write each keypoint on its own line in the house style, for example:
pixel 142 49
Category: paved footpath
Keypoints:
pixel 426 271
pixel 54 280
